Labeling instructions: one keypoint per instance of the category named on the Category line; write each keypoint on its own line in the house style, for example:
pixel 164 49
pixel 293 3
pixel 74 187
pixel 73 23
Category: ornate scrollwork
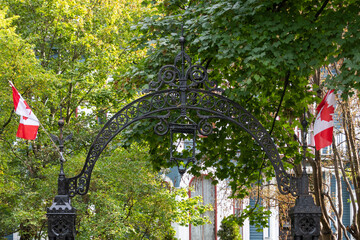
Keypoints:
pixel 159 105
pixel 158 101
pixel 173 98
pixel 113 127
pixel 132 112
pixel 182 96
pixel 222 106
pixel 82 184
pixel 197 74
pixel 162 127
pixel 144 106
pixel 185 98
pixel 168 74
pixel 205 128
pixel 208 101
pixel 182 56
pixel 194 76
pixel 122 119
pixel 193 99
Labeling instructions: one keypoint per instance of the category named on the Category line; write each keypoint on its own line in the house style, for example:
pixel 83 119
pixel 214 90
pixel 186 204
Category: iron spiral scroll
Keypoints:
pixel 177 91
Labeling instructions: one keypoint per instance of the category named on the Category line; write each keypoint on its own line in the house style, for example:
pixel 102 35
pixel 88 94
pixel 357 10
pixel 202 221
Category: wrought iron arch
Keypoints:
pixel 183 96
pixel 191 98
pixel 159 105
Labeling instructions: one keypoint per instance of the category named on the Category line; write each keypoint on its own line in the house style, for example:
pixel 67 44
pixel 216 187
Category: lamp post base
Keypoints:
pixel 61 219
pixel 305 219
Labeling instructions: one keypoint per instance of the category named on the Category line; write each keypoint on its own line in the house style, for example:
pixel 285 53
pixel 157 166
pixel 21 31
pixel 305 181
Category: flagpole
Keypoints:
pixel 56 147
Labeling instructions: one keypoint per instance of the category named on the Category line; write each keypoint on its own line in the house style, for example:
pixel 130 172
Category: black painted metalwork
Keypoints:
pixel 61 219
pixel 61 215
pixel 189 129
pixel 305 215
pixel 183 100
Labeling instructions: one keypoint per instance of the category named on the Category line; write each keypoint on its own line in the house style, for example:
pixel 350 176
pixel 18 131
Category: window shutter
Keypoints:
pixel 255 235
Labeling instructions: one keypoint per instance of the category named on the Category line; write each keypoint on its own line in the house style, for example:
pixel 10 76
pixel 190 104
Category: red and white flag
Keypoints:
pixel 29 124
pixel 324 123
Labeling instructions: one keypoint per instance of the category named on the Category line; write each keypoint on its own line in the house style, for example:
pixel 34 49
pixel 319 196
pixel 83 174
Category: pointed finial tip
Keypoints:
pixel 182 39
pixel 61 122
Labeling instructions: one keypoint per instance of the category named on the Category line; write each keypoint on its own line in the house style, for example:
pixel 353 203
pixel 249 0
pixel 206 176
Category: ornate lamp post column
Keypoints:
pixel 61 215
pixel 305 215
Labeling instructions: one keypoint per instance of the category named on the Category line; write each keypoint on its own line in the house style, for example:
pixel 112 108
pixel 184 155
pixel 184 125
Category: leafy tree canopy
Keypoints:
pixel 264 53
pixel 70 54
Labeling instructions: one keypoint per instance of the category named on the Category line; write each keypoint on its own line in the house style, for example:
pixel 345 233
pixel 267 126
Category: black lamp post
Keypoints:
pixel 61 215
pixel 305 215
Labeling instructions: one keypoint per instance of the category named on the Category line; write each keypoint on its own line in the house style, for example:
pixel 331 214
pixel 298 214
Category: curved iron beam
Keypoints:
pixel 158 105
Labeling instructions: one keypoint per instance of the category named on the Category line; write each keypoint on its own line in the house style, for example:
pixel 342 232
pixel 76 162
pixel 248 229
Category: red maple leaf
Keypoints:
pixel 25 118
pixel 27 106
pixel 326 112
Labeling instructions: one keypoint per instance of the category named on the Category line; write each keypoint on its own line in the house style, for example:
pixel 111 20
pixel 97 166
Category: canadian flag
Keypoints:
pixel 324 123
pixel 29 124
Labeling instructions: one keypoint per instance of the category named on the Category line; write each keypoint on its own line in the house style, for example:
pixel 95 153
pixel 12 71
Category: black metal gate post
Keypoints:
pixel 61 215
pixel 305 215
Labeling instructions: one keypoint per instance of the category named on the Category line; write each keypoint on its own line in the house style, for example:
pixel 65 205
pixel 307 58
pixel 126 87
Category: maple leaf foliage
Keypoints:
pixel 326 113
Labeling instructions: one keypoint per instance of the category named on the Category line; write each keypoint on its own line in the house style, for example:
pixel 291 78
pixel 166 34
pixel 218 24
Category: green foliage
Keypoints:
pixel 18 194
pixel 189 210
pixel 71 54
pixel 264 54
pixel 127 200
pixel 97 55
pixel 229 229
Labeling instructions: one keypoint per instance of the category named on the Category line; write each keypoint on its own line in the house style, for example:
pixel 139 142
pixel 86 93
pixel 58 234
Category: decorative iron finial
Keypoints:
pixel 305 215
pixel 60 140
pixel 61 215
pixel 182 43
pixel 304 181
pixel 185 77
pixel 61 123
pixel 182 38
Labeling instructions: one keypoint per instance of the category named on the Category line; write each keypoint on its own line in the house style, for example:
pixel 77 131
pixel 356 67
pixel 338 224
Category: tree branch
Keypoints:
pixel 7 122
pixel 321 9
pixel 337 216
pixel 286 83
pixel 352 197
pixel 208 63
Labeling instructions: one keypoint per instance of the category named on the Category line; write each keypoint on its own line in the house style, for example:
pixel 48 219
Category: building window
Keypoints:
pixel 326 150
pixel 237 207
pixel 202 186
pixel 237 211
